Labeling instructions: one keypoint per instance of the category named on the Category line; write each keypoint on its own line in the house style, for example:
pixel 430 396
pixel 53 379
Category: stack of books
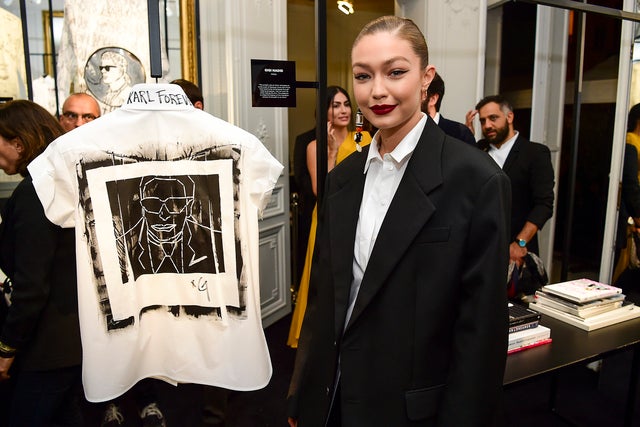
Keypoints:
pixel 525 330
pixel 584 303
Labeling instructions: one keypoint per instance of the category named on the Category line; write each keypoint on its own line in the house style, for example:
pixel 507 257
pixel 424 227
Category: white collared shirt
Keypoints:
pixel 382 180
pixel 93 178
pixel 436 118
pixel 500 154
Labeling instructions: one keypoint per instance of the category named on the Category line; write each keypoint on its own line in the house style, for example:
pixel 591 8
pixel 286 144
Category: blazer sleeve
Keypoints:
pixel 542 181
pixel 33 240
pixel 473 389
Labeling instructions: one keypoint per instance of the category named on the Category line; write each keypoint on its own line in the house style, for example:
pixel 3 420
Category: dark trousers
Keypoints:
pixel 47 398
pixel 143 393
pixel 214 408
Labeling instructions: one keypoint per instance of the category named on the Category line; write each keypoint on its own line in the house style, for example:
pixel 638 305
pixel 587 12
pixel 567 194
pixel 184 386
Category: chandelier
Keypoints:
pixel 345 6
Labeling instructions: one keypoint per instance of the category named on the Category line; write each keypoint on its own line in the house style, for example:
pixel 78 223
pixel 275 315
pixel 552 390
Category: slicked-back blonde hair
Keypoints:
pixel 404 28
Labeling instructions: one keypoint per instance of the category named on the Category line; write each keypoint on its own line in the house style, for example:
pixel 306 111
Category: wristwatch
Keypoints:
pixel 522 243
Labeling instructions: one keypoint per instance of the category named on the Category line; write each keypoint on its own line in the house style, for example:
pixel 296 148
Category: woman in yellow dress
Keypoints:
pixel 341 142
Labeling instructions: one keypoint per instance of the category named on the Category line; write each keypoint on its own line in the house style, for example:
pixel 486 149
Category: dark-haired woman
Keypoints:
pixel 40 337
pixel 340 144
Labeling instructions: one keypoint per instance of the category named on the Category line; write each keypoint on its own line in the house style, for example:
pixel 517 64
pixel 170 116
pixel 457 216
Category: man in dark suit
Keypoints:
pixel 431 106
pixel 528 165
pixel 422 335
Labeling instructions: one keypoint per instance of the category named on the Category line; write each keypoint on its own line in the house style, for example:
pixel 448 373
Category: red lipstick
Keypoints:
pixel 382 109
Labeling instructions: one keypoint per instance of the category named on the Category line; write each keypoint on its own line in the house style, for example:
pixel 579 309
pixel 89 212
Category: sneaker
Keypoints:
pixel 152 416
pixel 112 416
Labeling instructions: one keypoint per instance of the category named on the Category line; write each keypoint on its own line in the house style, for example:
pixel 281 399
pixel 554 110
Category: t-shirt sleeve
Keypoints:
pixel 264 170
pixel 52 179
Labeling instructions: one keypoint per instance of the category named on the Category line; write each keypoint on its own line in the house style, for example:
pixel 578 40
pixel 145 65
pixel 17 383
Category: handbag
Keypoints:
pixel 524 281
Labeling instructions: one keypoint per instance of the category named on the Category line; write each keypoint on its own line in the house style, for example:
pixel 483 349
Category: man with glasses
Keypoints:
pixel 78 109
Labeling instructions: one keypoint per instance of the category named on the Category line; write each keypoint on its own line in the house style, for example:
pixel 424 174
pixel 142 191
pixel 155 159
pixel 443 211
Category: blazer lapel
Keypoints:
pixel 513 154
pixel 342 218
pixel 410 209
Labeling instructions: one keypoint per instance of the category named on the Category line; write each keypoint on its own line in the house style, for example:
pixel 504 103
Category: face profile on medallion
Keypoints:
pixel 110 73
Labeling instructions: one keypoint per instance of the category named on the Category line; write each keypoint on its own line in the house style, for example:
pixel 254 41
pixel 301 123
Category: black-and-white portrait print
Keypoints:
pixel 163 233
pixel 110 72
pixel 172 226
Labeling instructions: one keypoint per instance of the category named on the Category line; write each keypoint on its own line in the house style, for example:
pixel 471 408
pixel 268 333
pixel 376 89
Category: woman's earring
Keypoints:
pixel 359 126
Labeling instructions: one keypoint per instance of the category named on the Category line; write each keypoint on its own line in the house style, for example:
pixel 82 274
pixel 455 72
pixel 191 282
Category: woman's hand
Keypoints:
pixel 332 142
pixel 5 365
pixel 292 422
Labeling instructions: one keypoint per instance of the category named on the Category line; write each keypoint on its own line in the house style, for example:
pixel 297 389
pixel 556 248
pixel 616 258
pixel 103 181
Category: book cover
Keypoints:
pixel 576 305
pixel 628 311
pixel 532 345
pixel 582 290
pixel 580 310
pixel 520 315
pixel 524 326
pixel 528 336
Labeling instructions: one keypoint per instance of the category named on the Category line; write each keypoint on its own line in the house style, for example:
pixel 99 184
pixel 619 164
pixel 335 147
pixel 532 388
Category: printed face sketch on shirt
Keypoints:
pixel 174 232
pixel 110 73
pixel 149 221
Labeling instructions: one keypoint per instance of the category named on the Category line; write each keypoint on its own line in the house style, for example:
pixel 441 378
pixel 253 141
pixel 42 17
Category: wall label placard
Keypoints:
pixel 273 83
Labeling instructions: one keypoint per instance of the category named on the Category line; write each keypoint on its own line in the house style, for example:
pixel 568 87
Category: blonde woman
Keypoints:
pixel 407 317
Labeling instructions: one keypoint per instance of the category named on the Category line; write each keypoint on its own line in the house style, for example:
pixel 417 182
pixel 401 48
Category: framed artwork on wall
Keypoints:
pixel 51 21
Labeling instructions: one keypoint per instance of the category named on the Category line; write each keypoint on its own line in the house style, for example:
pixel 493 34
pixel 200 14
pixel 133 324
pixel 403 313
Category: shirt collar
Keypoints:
pixel 507 145
pixel 436 118
pixel 158 96
pixel 403 150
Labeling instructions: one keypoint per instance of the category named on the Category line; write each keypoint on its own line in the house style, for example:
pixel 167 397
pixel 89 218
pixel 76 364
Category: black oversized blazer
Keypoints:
pixel 426 343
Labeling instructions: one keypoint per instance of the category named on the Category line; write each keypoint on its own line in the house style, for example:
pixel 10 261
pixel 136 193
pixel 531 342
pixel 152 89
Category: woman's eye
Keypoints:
pixel 360 76
pixel 397 73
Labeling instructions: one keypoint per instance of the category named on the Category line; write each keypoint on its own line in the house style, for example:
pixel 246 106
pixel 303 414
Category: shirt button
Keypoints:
pixel 327 391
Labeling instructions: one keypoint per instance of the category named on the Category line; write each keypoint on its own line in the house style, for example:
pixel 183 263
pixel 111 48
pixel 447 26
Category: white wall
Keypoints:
pixel 341 31
pixel 232 33
pixel 455 33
